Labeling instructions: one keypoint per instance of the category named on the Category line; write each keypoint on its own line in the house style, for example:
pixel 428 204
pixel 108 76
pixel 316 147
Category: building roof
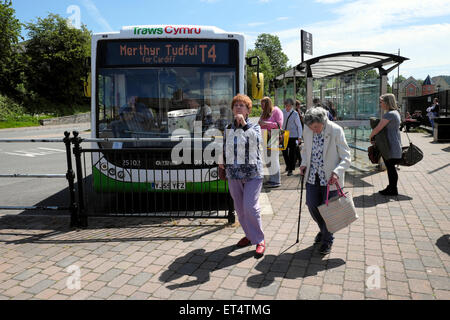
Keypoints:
pixel 446 79
pixel 427 81
pixel 407 82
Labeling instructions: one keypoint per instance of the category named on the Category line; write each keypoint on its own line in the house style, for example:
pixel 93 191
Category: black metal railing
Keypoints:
pixel 134 182
pixel 144 182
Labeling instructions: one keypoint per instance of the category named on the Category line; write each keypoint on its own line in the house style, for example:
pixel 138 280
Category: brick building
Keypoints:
pixel 428 87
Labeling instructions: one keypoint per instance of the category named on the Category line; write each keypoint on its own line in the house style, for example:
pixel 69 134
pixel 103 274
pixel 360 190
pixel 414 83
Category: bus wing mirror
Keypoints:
pixel 257 78
pixel 253 61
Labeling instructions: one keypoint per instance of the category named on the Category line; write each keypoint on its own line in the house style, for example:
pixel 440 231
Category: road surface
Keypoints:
pixel 35 158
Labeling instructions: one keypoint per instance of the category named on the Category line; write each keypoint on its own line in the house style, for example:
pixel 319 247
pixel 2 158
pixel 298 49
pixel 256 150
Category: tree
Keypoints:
pixel 367 74
pixel 10 29
pixel 400 79
pixel 265 68
pixel 55 62
pixel 271 45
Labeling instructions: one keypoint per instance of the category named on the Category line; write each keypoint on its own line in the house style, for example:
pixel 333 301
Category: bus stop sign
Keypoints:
pixel 307 43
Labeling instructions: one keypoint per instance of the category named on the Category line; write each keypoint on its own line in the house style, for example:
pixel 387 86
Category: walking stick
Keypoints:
pixel 300 209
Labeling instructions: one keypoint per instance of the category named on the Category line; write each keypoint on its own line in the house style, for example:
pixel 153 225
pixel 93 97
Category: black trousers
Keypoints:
pixel 392 172
pixel 290 154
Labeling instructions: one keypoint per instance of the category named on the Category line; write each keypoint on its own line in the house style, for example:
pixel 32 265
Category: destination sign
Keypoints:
pixel 120 53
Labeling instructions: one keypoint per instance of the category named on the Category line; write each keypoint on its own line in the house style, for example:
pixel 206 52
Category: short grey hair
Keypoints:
pixel 289 101
pixel 317 114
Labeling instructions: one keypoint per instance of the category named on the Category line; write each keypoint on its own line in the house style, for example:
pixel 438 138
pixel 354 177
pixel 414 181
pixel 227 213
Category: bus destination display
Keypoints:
pixel 161 53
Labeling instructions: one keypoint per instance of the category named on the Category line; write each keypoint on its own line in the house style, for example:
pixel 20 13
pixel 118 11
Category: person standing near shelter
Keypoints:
pixel 332 110
pixel 298 108
pixel 293 125
pixel 433 112
pixel 390 120
pixel 272 119
pixel 244 171
pixel 325 157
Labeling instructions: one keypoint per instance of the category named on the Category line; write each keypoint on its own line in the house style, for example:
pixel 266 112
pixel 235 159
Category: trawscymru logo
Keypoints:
pixel 167 30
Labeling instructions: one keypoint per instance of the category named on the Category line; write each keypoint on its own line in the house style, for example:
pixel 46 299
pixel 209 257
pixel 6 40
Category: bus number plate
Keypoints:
pixel 169 186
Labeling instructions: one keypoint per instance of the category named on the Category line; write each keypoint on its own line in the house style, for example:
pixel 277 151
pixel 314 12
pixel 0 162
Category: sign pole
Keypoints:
pixel 302 41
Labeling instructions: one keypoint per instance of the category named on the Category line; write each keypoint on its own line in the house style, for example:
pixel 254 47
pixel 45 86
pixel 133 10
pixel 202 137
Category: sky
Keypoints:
pixel 420 29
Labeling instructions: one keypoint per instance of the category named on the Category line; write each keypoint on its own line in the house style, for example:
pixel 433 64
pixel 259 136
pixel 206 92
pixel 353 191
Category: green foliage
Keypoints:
pixel 271 45
pixel 9 108
pixel 10 29
pixel 367 74
pixel 256 110
pixel 12 115
pixel 55 65
pixel 400 79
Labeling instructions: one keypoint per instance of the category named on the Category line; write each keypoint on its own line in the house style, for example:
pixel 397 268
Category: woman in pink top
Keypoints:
pixel 271 118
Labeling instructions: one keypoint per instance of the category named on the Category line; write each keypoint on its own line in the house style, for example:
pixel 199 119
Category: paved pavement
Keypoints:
pixel 398 249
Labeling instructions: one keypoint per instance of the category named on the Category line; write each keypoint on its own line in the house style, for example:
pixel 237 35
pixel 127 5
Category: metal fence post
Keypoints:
pixel 231 211
pixel 83 221
pixel 70 176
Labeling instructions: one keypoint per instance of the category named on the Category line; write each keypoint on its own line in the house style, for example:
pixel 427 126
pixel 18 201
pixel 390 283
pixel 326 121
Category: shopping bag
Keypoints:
pixel 338 212
pixel 411 155
pixel 282 142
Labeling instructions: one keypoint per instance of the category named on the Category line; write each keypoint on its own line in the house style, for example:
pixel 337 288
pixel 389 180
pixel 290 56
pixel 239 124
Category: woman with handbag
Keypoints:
pixel 325 157
pixel 244 171
pixel 272 119
pixel 390 121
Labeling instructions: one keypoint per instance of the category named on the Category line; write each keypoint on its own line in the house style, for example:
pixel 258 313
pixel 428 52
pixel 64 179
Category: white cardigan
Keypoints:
pixel 336 152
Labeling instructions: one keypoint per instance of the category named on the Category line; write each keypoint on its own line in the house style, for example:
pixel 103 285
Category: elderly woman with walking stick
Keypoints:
pixel 325 157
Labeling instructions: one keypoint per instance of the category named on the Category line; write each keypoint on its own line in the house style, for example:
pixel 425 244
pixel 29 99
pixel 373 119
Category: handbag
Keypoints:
pixel 374 154
pixel 283 139
pixel 338 212
pixel 411 154
pixel 381 140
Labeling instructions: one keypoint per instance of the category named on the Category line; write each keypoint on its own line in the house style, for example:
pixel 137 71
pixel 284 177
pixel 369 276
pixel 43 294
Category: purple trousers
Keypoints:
pixel 245 194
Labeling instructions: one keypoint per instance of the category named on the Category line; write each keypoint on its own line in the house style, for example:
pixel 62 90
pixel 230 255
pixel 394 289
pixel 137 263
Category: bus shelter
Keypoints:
pixel 352 82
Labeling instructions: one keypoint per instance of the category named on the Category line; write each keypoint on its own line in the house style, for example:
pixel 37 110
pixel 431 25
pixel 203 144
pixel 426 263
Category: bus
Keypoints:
pixel 157 82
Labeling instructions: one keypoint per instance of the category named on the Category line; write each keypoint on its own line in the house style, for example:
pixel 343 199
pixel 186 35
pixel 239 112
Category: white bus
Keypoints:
pixel 147 82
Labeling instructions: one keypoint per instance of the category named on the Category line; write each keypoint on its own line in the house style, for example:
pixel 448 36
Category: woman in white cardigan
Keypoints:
pixel 325 157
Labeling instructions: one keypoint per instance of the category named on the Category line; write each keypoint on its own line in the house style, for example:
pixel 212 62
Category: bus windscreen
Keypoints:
pixel 148 53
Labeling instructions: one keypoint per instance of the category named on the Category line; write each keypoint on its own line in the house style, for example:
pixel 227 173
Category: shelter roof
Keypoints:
pixel 342 63
pixel 290 74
